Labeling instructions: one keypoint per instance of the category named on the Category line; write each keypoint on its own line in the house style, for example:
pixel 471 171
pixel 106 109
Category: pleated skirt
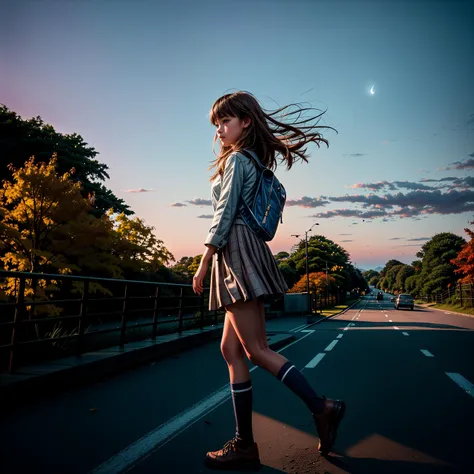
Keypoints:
pixel 244 269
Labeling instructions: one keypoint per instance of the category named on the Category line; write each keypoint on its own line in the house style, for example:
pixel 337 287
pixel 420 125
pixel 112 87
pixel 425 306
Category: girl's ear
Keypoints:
pixel 247 122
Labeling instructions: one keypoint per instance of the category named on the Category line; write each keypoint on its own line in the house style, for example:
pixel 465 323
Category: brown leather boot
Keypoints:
pixel 327 423
pixel 232 456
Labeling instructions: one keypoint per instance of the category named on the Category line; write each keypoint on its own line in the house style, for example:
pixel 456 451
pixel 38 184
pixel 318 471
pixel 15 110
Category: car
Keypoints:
pixel 393 298
pixel 405 301
pixel 379 296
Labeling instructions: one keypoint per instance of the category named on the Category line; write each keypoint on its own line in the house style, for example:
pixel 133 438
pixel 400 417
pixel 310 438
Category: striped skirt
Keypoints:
pixel 244 269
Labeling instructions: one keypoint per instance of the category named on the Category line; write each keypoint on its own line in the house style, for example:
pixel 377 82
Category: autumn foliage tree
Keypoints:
pixel 46 226
pixel 22 138
pixel 464 262
pixel 317 283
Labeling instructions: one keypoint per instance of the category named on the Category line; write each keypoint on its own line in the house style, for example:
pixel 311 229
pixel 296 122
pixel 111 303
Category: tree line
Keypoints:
pixel 443 262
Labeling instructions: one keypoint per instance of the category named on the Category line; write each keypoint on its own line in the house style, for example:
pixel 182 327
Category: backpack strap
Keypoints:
pixel 254 158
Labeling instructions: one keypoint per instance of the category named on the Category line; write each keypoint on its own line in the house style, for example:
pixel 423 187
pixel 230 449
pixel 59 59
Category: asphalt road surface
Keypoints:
pixel 406 377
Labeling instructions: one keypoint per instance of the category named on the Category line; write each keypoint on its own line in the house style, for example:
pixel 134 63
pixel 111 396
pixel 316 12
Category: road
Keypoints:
pixel 404 376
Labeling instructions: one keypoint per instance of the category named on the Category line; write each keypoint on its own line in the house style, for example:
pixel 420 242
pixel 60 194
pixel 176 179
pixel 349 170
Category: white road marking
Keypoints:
pixel 340 335
pixel 395 327
pixel 352 324
pixel 331 346
pixel 426 353
pixel 163 434
pixel 386 316
pixel 467 386
pixel 315 361
pixel 143 447
pixel 446 312
pixel 308 330
pixel 297 328
pixel 405 333
pixel 390 321
pixel 289 345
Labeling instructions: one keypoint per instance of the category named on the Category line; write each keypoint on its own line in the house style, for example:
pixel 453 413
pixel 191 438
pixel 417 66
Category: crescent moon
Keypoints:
pixel 372 90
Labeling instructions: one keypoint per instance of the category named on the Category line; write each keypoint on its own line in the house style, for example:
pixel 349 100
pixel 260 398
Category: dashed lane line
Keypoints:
pixel 467 386
pixel 330 347
pixel 395 327
pixel 136 452
pixel 315 361
pixel 405 333
pixel 340 335
pixel 426 353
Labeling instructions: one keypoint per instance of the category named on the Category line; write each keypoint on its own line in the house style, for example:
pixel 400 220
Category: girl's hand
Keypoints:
pixel 198 278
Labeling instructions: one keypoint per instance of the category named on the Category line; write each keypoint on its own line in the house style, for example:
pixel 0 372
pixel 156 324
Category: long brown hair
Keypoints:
pixel 266 135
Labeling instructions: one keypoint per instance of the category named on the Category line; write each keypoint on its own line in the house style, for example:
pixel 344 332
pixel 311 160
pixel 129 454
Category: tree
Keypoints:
pixel 317 283
pixel 464 261
pixel 35 205
pixel 391 277
pixel 369 274
pixel 437 271
pixel 143 251
pixel 181 268
pixel 402 275
pixel 322 254
pixel 46 227
pixel 281 256
pixel 20 139
pixel 391 263
pixel 289 274
pixel 413 284
pixel 374 281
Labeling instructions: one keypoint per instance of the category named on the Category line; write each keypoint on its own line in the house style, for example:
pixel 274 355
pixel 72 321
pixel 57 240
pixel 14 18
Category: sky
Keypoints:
pixel 137 80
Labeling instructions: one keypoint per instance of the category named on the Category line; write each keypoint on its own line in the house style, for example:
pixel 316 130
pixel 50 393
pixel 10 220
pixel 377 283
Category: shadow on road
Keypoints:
pixel 378 466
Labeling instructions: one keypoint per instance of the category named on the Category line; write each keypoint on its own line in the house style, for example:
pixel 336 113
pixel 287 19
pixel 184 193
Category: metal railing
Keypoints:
pixel 460 294
pixel 31 315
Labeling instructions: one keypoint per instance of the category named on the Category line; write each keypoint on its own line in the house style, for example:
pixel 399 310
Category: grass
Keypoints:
pixel 326 312
pixel 452 307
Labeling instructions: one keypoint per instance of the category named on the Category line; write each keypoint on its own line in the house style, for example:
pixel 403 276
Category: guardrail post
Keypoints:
pixel 460 293
pixel 19 312
pixel 155 312
pixel 124 317
pixel 180 311
pixel 82 314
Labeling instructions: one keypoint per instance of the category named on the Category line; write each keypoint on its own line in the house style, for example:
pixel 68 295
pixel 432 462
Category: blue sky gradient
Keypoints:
pixel 137 80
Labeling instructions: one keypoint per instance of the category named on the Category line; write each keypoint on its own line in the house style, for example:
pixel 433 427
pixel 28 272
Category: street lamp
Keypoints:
pixel 306 253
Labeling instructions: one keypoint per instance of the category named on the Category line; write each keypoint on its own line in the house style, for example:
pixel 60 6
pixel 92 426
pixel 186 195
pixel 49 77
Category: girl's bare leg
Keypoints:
pixel 248 321
pixel 234 354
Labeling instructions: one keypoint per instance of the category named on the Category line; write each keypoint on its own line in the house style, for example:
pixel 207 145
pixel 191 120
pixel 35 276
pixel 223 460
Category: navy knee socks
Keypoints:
pixel 242 400
pixel 297 383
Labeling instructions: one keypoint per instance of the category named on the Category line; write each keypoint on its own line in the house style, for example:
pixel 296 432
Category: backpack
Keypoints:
pixel 266 211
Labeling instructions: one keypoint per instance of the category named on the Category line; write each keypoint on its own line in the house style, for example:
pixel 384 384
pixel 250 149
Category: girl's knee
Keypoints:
pixel 232 352
pixel 257 355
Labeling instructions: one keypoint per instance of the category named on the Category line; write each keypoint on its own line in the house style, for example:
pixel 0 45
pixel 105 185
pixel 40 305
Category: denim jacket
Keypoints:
pixel 239 179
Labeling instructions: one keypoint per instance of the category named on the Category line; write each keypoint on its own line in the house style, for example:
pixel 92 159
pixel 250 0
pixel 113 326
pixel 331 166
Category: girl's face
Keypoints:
pixel 229 129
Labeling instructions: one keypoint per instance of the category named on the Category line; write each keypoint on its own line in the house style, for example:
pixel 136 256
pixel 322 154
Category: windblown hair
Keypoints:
pixel 265 135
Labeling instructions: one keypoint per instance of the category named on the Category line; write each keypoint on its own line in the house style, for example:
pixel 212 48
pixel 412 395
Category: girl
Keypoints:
pixel 244 269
